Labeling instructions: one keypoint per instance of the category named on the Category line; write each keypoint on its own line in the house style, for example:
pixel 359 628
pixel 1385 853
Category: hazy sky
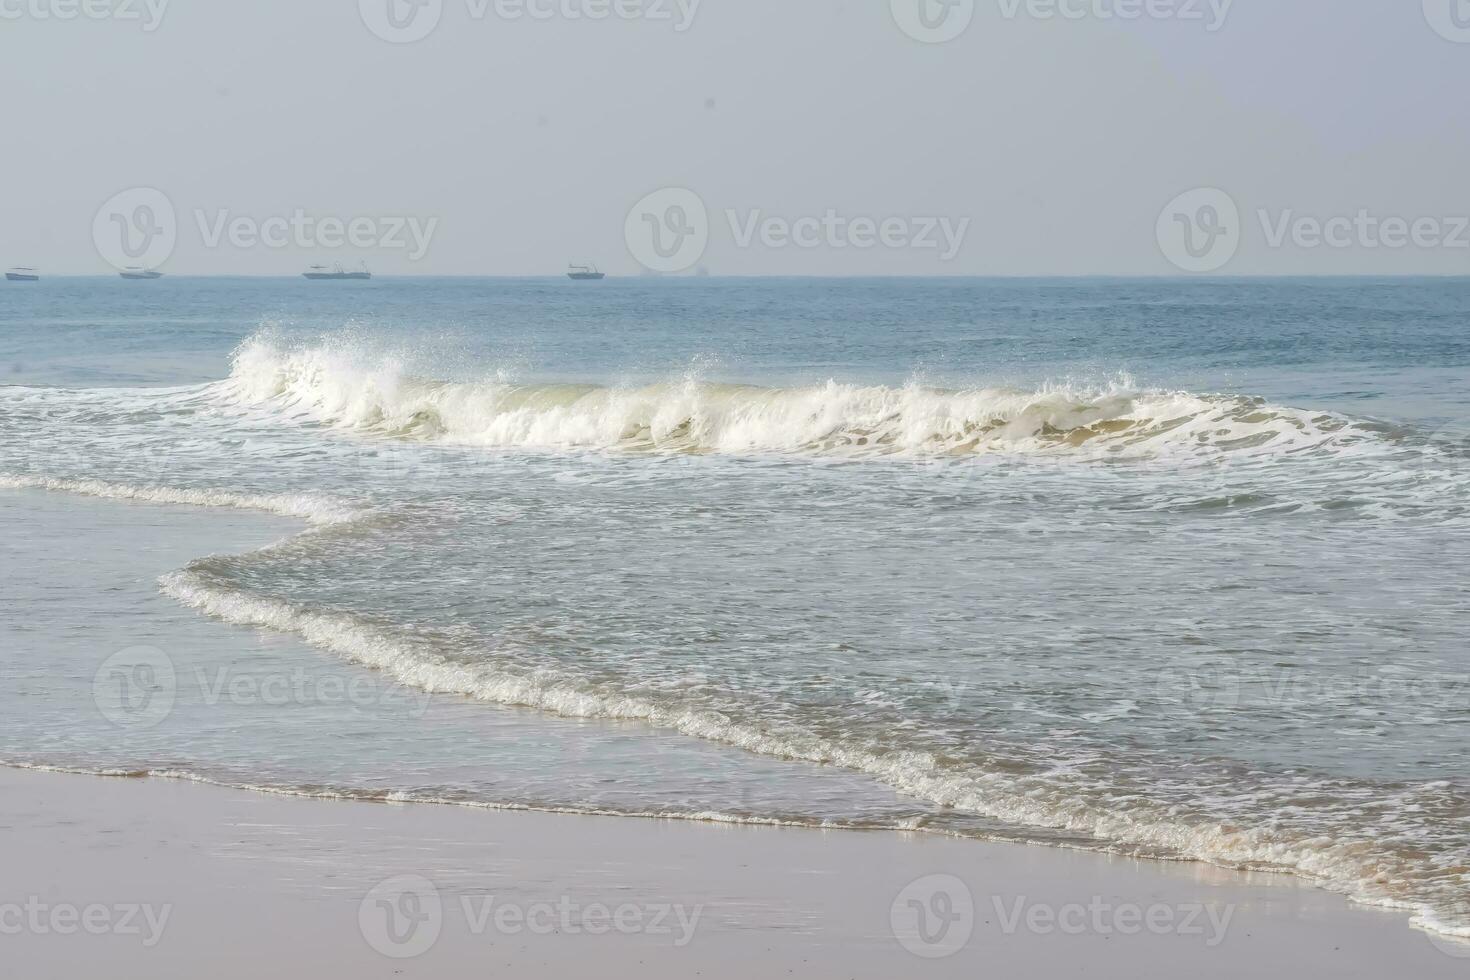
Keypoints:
pixel 523 143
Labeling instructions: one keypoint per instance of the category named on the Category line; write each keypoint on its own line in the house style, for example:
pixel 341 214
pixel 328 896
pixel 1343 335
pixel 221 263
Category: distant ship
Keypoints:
pixel 134 272
pixel 22 274
pixel 582 272
pixel 336 272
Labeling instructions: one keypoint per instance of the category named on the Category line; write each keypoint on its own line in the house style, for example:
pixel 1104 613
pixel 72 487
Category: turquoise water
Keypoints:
pixel 1171 568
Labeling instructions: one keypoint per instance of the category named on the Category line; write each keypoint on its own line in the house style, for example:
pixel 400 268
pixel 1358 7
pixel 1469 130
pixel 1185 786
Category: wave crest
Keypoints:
pixel 338 385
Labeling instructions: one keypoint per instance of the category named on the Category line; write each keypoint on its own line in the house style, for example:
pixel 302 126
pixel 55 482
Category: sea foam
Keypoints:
pixel 1133 823
pixel 339 384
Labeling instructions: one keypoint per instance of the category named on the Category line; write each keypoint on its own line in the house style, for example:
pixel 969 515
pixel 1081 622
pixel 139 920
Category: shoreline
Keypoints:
pixel 300 514
pixel 368 648
pixel 235 881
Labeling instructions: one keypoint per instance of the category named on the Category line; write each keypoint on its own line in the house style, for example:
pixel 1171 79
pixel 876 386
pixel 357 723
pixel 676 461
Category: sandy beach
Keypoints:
pixel 661 489
pixel 184 880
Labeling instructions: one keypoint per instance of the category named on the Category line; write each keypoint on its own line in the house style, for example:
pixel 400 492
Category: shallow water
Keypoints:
pixel 1171 568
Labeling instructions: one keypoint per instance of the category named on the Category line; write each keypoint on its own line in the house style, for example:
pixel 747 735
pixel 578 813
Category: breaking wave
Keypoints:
pixel 338 384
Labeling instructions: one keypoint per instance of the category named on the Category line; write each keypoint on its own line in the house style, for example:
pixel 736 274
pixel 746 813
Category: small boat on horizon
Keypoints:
pixel 584 272
pixel 22 273
pixel 137 272
pixel 336 272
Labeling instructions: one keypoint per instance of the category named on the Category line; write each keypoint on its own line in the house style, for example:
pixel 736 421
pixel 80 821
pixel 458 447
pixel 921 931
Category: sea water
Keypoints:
pixel 1171 568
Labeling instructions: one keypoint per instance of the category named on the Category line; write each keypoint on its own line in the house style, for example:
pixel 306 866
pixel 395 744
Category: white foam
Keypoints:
pixel 1347 866
pixel 339 384
pixel 340 387
pixel 308 507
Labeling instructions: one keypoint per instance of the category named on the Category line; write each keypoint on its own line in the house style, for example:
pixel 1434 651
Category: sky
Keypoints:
pixel 737 137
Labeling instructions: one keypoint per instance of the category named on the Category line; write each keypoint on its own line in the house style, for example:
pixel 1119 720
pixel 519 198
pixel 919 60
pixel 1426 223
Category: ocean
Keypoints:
pixel 1169 568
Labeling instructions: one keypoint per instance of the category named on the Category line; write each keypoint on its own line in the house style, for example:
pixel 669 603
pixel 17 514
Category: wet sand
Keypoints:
pixel 180 879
